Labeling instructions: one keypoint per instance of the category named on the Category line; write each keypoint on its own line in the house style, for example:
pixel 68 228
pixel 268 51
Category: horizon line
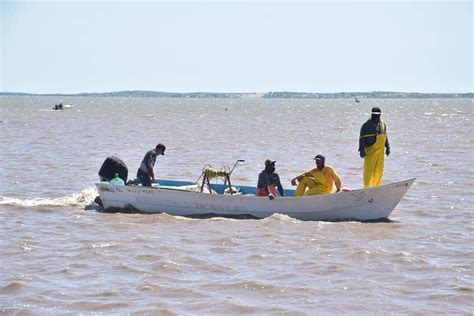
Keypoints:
pixel 213 92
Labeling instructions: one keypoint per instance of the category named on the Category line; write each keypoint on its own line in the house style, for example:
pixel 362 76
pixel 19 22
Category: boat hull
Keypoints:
pixel 364 204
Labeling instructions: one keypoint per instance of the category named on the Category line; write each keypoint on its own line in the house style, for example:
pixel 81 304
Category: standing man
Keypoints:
pixel 320 180
pixel 145 173
pixel 268 180
pixel 372 142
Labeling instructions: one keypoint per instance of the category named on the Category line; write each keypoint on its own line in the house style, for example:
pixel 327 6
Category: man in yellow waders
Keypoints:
pixel 372 142
pixel 320 180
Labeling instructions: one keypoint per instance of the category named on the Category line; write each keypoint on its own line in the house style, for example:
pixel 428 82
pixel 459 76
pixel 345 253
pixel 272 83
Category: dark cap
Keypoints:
pixel 269 162
pixel 376 110
pixel 320 157
pixel 161 146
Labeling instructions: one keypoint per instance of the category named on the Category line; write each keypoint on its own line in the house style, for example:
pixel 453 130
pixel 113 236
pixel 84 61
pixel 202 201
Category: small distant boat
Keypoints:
pixel 60 106
pixel 184 198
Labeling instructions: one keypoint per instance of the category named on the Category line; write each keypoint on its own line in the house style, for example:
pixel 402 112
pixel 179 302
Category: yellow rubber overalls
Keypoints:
pixel 374 159
pixel 317 182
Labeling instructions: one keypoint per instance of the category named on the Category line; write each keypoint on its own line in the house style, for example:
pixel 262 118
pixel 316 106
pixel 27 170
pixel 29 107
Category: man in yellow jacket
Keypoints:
pixel 320 180
pixel 372 142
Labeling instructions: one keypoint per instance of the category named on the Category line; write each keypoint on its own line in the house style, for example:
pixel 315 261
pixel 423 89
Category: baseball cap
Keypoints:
pixel 320 157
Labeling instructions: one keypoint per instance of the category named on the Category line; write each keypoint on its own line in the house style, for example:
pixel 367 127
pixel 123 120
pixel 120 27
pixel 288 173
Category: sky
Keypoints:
pixel 236 46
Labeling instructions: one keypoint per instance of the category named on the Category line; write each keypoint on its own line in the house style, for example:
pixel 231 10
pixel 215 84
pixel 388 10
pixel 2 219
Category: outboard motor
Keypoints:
pixel 110 167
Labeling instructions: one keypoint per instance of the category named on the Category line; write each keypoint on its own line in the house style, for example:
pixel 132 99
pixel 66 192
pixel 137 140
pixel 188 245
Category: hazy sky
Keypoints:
pixel 311 46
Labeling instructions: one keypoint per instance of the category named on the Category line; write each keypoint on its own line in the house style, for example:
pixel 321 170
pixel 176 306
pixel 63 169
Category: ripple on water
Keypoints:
pixel 110 306
pixel 12 287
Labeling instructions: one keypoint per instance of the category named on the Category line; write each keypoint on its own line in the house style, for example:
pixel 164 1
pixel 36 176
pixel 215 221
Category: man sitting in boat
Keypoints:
pixel 145 173
pixel 268 179
pixel 320 180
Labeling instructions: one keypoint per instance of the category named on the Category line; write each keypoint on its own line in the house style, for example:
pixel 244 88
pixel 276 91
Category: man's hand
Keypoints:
pixel 293 181
pixel 362 153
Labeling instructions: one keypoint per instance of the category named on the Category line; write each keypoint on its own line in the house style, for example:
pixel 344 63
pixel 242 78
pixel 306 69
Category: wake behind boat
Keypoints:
pixel 185 198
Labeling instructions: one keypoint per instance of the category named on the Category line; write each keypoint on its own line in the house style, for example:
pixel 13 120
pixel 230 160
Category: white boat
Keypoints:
pixel 62 107
pixel 185 198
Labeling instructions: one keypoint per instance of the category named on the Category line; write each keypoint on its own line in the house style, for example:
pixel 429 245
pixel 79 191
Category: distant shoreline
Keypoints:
pixel 251 95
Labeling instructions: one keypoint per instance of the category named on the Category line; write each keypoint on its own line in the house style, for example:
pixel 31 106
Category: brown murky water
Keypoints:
pixel 58 258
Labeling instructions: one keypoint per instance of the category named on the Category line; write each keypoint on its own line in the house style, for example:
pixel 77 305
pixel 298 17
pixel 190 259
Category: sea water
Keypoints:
pixel 58 258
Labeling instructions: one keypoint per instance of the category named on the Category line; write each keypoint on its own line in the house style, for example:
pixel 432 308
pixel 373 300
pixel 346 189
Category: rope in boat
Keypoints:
pixel 212 173
pixel 208 173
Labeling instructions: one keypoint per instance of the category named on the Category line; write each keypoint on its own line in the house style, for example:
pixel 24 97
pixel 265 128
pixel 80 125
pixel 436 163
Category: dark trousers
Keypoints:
pixel 144 178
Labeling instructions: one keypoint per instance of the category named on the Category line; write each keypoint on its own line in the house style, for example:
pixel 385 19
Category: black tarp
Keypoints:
pixel 111 166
